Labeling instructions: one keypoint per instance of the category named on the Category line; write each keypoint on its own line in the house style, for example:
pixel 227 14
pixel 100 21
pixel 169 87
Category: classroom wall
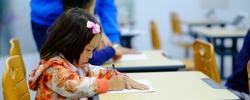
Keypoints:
pixel 144 11
pixel 17 24
pixel 21 25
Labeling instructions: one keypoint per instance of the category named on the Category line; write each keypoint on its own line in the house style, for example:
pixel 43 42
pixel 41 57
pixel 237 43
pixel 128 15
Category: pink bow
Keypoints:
pixel 95 27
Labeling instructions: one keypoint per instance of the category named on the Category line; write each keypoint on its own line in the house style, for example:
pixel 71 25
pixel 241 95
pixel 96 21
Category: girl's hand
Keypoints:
pixel 132 84
pixel 121 82
pixel 116 83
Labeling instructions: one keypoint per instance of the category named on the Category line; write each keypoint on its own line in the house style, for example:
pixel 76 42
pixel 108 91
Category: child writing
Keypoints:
pixel 104 52
pixel 64 72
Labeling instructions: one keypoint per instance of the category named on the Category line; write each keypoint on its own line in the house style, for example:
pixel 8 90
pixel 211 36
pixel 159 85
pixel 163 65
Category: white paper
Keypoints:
pixel 134 57
pixel 143 81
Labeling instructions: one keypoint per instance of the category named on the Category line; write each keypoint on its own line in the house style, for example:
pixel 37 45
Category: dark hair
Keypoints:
pixel 68 4
pixel 68 35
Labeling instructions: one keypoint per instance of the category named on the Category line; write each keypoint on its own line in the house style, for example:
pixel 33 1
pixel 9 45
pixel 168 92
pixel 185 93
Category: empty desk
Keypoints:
pixel 154 61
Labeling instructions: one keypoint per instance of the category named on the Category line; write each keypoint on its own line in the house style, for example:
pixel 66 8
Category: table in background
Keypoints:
pixel 189 85
pixel 156 61
pixel 214 34
pixel 204 22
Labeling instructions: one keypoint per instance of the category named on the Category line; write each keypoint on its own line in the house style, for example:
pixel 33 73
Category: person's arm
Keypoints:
pixel 116 79
pixel 102 55
pixel 244 55
pixel 70 84
pixel 107 12
pixel 238 80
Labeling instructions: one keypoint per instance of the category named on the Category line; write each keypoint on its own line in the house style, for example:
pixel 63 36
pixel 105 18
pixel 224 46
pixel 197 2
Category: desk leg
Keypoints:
pixel 219 50
pixel 126 41
pixel 209 26
pixel 222 25
pixel 222 58
pixel 222 66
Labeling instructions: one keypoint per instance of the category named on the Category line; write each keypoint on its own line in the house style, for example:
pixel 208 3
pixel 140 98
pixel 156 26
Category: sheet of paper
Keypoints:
pixel 143 81
pixel 134 57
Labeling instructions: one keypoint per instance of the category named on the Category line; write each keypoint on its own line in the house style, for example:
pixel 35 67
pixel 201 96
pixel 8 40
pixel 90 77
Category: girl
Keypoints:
pixel 64 72
pixel 107 50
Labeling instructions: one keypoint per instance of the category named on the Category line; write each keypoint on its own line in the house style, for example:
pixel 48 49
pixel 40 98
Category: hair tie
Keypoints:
pixel 95 27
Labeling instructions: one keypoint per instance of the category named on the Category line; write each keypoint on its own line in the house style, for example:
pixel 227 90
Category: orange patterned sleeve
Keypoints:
pixel 101 72
pixel 68 83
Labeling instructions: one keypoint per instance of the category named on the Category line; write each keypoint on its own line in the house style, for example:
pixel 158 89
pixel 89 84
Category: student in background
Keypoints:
pixel 238 81
pixel 44 13
pixel 64 72
pixel 107 12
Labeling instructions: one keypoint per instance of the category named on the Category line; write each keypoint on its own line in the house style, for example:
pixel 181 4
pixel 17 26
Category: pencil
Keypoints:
pixel 113 66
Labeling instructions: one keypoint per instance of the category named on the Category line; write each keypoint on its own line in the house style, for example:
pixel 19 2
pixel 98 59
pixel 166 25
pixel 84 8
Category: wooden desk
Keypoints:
pixel 221 32
pixel 156 62
pixel 212 35
pixel 174 86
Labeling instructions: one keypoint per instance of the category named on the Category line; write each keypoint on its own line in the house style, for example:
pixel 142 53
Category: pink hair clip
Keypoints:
pixel 95 27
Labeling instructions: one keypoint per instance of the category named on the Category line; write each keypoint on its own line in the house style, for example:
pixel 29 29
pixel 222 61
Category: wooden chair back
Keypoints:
pixel 155 35
pixel 204 59
pixel 13 80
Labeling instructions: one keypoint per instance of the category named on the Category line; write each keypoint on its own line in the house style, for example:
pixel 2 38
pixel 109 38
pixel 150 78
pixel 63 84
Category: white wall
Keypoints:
pixel 20 24
pixel 145 10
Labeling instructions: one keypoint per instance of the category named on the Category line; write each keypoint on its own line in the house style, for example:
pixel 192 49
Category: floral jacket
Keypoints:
pixel 56 79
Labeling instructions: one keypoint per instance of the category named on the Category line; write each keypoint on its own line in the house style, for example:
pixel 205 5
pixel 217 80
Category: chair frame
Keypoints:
pixel 13 80
pixel 204 59
pixel 155 35
pixel 15 49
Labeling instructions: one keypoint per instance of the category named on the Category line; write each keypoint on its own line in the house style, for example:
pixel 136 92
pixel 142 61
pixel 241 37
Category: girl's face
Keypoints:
pixel 88 50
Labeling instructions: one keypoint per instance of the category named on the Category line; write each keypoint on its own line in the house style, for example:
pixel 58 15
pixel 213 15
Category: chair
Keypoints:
pixel 16 50
pixel 13 81
pixel 175 21
pixel 248 71
pixel 154 35
pixel 183 40
pixel 204 59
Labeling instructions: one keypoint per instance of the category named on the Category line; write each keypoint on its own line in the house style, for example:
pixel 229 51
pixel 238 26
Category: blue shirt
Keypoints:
pixel 239 80
pixel 107 12
pixel 101 56
pixel 45 12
